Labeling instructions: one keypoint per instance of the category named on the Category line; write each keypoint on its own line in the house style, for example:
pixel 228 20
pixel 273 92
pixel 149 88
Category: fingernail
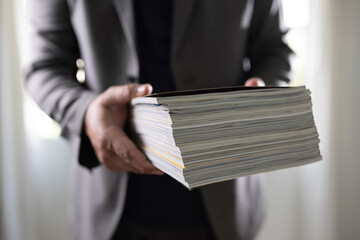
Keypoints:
pixel 140 90
pixel 150 89
pixel 144 89
pixel 260 83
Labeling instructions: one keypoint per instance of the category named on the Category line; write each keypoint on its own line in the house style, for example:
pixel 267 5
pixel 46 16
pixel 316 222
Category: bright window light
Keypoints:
pixel 37 123
pixel 296 13
pixel 296 17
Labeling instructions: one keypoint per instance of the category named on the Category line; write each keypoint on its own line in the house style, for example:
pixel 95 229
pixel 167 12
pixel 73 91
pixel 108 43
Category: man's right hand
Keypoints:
pixel 104 123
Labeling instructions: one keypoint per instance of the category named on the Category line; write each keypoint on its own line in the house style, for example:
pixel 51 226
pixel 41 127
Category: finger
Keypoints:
pixel 128 152
pixel 139 161
pixel 255 82
pixel 123 94
pixel 116 163
pixel 142 90
pixel 112 162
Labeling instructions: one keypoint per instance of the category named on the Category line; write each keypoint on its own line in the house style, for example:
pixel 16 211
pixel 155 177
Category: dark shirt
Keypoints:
pixel 159 200
pixel 153 32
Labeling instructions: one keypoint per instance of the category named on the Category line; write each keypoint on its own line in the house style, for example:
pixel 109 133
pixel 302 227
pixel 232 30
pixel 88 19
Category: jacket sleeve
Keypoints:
pixel 51 76
pixel 268 52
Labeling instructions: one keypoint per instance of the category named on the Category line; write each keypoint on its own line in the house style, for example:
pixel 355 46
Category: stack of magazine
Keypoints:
pixel 206 136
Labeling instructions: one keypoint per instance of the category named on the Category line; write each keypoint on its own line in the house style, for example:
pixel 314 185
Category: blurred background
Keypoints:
pixel 317 201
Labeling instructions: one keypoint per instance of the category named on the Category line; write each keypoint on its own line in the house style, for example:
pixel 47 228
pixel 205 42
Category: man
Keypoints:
pixel 180 44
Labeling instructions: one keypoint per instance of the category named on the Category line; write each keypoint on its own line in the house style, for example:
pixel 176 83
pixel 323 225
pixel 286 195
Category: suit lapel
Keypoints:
pixel 125 12
pixel 182 13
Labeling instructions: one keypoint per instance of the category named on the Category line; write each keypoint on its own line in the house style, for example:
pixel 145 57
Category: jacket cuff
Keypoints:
pixel 74 132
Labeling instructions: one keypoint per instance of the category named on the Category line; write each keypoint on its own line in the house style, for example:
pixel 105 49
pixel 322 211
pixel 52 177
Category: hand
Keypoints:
pixel 254 82
pixel 104 123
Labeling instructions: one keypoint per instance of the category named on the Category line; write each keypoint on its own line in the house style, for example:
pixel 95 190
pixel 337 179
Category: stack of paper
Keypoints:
pixel 212 135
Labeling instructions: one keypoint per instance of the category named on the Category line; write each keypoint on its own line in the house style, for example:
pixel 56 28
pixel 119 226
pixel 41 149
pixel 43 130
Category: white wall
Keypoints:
pixel 47 177
pixel 326 202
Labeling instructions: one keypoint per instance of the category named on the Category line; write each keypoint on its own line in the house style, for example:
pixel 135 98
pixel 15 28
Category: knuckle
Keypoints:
pixel 112 89
pixel 108 92
pixel 103 158
pixel 131 90
pixel 104 143
pixel 129 87
pixel 125 156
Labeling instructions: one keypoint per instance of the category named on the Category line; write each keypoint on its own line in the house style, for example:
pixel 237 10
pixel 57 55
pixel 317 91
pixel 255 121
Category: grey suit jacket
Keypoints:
pixel 214 43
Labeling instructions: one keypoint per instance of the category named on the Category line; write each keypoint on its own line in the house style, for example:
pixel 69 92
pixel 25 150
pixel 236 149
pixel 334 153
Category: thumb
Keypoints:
pixel 142 90
pixel 124 94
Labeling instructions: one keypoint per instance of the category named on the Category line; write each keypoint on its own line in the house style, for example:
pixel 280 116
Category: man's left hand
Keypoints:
pixel 254 82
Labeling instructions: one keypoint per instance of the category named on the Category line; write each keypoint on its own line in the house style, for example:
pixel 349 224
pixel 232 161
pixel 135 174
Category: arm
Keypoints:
pixel 51 80
pixel 269 54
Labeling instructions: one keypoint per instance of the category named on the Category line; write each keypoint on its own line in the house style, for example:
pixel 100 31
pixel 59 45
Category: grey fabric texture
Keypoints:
pixel 211 41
